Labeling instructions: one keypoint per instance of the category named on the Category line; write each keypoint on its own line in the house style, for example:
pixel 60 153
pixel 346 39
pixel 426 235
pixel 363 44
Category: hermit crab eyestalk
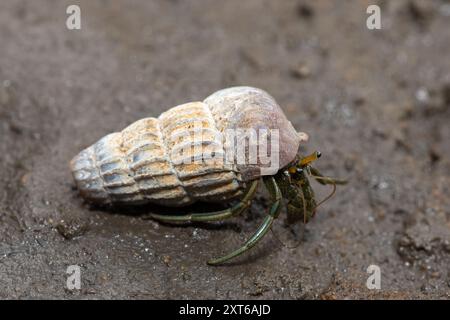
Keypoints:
pixel 309 158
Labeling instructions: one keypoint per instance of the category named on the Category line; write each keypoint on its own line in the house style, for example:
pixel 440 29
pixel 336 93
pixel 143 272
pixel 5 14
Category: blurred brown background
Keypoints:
pixel 375 102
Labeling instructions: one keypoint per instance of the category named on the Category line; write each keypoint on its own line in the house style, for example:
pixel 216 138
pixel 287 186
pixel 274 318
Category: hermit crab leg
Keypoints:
pixel 215 215
pixel 323 179
pixel 265 226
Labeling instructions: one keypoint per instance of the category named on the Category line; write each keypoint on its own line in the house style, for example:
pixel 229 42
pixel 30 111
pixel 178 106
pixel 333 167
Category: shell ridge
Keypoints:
pixel 120 182
pixel 232 168
pixel 167 155
pixel 124 149
pixel 145 151
pixel 98 172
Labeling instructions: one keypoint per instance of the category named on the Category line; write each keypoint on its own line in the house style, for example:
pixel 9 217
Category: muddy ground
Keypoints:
pixel 375 102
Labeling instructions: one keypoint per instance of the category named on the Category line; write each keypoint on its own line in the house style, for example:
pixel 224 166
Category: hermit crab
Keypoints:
pixel 208 151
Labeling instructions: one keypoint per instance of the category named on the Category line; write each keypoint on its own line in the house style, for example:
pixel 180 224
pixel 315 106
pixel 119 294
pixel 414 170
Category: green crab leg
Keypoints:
pixel 325 180
pixel 216 215
pixel 262 229
pixel 307 196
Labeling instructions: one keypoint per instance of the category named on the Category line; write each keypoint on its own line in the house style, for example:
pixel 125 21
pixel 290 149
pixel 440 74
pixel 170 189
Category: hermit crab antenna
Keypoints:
pixel 327 197
pixel 304 207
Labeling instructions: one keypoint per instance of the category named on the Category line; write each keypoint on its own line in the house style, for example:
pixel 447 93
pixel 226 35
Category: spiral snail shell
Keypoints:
pixel 138 165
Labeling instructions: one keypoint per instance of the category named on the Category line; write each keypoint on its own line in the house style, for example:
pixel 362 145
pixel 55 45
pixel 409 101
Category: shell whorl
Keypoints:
pixel 139 165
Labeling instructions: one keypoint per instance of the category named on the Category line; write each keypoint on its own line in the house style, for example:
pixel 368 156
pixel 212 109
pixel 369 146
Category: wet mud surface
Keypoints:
pixel 376 103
